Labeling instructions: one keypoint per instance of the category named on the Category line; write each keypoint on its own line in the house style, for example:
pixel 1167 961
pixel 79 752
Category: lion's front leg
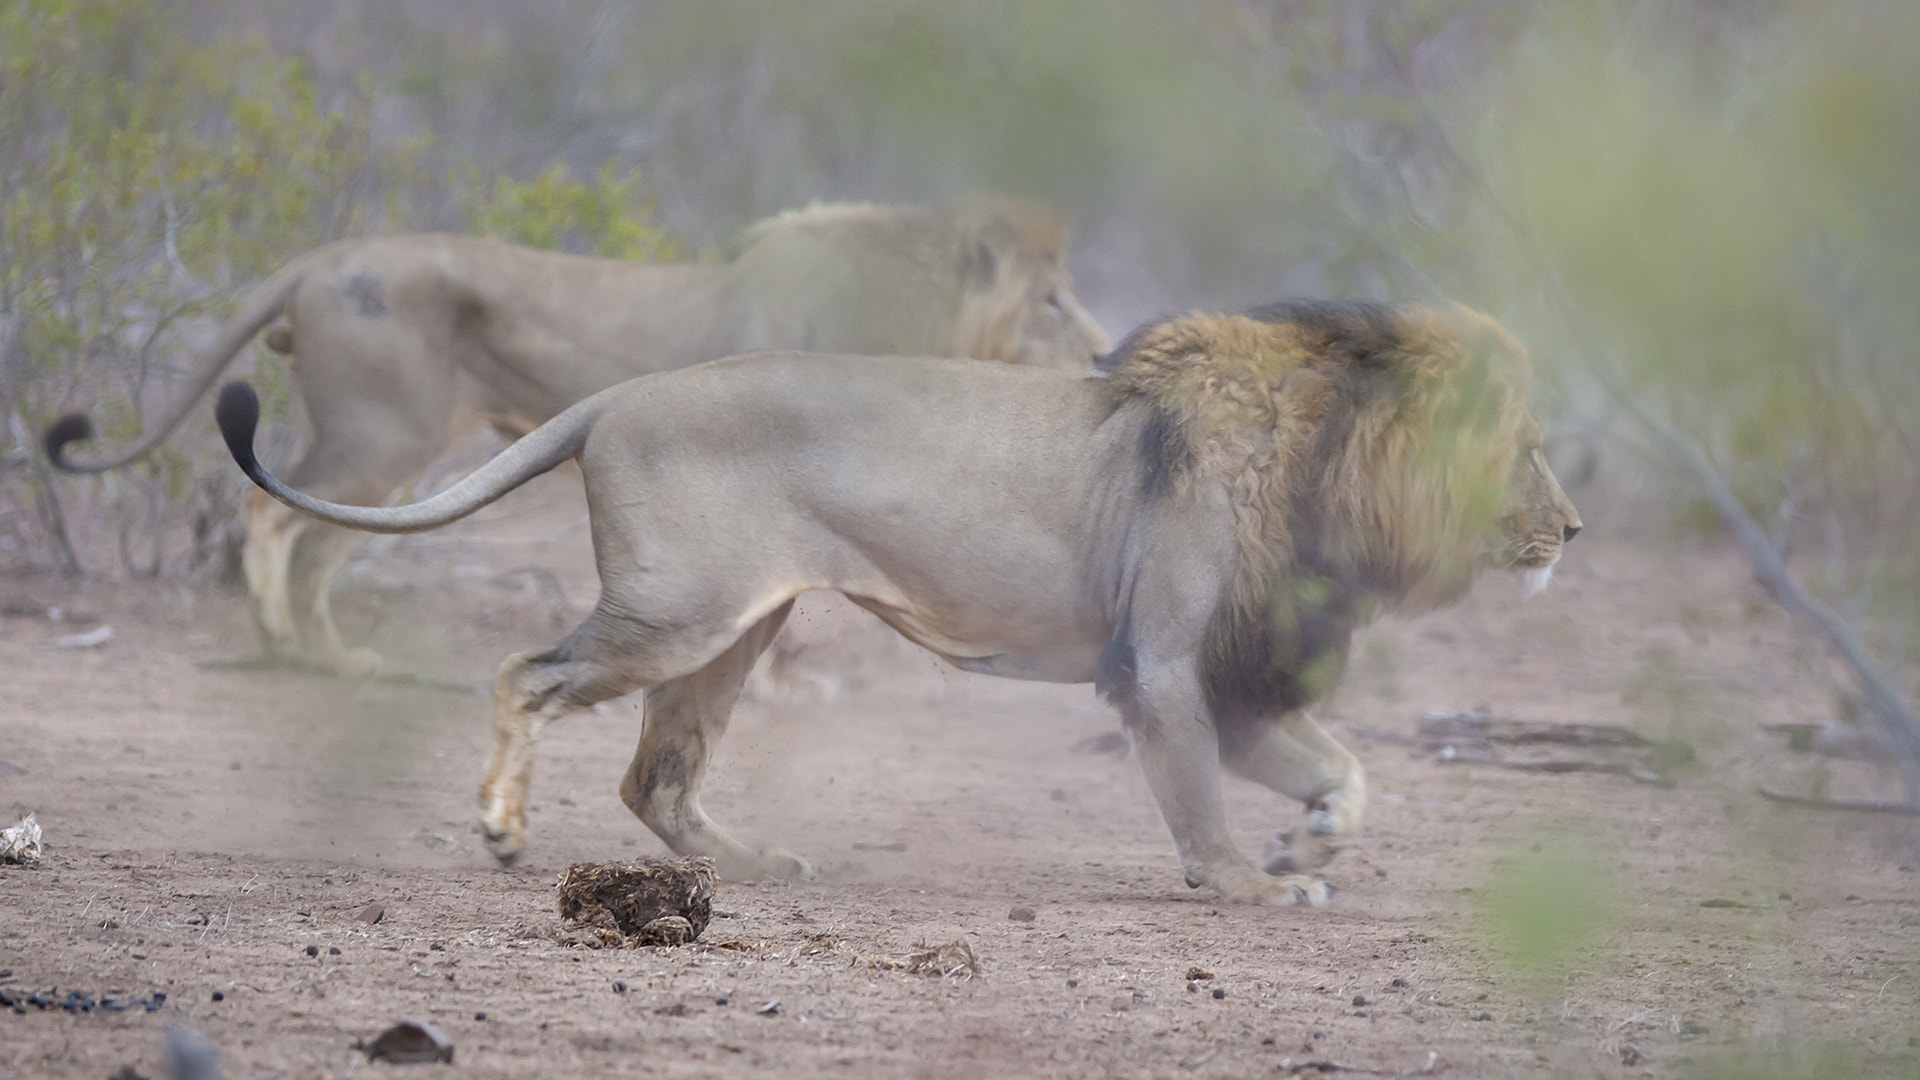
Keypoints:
pixel 1180 754
pixel 1297 758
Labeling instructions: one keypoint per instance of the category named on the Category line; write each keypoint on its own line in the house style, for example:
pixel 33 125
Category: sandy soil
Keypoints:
pixel 206 827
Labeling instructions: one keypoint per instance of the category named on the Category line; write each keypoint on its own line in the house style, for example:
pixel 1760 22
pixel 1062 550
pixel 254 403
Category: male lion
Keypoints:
pixel 1197 534
pixel 401 343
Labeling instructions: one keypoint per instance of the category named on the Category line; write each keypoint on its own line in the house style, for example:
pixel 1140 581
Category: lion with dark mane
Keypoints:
pixel 398 344
pixel 1198 533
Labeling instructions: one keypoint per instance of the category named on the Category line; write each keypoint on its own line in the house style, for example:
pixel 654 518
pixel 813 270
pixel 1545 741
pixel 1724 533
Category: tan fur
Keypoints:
pixel 398 344
pixel 1147 532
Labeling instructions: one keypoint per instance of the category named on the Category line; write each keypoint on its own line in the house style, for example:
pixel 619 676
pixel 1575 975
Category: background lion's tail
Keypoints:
pixel 261 307
pixel 557 440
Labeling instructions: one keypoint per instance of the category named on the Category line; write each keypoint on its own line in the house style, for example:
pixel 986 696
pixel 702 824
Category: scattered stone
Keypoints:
pixel 371 914
pixel 1021 914
pixel 1379 871
pixel 1398 982
pixel 1219 992
pixel 719 1001
pixel 1071 983
pixel 333 950
pixel 479 1016
pixel 20 842
pixel 409 1042
pixel 218 996
pixel 1484 1016
pixel 1198 973
pixel 1359 1001
pixel 92 639
pixel 640 902
pixel 313 950
pixel 1192 987
pixel 619 987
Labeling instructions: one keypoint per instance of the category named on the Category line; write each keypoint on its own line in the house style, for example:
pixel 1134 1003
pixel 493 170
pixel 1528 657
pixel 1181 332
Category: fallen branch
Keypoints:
pixel 1839 802
pixel 1770 570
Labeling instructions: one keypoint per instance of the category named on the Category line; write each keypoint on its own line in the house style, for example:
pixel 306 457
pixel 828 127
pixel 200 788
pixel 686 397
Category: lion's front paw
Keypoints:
pixel 1287 890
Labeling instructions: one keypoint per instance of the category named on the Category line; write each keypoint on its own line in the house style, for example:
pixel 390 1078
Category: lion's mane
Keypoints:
pixel 1364 449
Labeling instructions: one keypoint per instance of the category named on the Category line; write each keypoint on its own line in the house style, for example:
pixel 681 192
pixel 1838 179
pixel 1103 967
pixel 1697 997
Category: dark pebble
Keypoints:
pixel 1359 1000
pixel 479 1016
pixel 1021 914
pixel 6 973
pixel 218 996
pixel 313 950
pixel 1071 983
pixel 333 950
pixel 1398 982
pixel 1484 1016
pixel 1219 992
pixel 619 987
pixel 1379 871
pixel 719 1001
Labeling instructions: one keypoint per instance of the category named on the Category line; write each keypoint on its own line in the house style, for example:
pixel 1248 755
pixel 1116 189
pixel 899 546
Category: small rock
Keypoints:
pixel 479 1016
pixel 333 950
pixel 1219 992
pixel 1398 983
pixel 371 914
pixel 218 996
pixel 1192 987
pixel 1484 1016
pixel 1359 1000
pixel 1071 983
pixel 409 1042
pixel 313 950
pixel 619 987
pixel 1021 914
pixel 719 1001
pixel 1379 871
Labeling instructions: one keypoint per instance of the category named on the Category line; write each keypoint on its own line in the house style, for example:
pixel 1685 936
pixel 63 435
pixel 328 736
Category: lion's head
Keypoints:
pixel 1375 457
pixel 981 276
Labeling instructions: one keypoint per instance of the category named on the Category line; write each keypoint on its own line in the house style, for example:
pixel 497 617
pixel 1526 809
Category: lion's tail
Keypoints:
pixel 261 307
pixel 557 440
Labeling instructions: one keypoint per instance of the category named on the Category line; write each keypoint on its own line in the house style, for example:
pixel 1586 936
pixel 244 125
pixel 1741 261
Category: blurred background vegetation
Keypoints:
pixel 1704 210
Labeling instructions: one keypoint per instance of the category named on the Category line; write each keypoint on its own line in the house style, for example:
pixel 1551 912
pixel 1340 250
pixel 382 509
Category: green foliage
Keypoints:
pixel 605 217
pixel 1546 907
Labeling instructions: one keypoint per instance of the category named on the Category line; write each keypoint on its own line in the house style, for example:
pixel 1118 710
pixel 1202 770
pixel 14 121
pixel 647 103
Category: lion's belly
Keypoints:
pixel 1068 655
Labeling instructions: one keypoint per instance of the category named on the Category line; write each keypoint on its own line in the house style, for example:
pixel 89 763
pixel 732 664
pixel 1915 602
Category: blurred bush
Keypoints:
pixel 149 172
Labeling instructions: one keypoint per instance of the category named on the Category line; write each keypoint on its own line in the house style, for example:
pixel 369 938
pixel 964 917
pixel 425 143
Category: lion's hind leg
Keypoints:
pixel 685 718
pixel 1297 758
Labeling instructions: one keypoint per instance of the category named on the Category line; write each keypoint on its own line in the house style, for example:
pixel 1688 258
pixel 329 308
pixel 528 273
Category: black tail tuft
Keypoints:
pixel 73 427
pixel 238 412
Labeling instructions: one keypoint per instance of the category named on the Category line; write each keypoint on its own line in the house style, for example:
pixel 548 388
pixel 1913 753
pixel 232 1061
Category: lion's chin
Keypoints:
pixel 1535 578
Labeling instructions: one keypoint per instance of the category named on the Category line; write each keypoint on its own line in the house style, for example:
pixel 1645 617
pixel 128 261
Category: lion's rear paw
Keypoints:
pixel 770 866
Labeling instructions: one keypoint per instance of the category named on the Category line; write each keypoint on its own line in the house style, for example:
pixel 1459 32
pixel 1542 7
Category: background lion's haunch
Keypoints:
pixel 398 344
pixel 1199 533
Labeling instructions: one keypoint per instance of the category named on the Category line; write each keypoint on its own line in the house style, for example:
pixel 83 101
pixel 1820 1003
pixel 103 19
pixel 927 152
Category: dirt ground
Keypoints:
pixel 208 827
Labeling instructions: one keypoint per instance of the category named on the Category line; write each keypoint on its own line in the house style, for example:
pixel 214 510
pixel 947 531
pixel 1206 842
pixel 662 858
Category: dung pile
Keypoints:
pixel 641 902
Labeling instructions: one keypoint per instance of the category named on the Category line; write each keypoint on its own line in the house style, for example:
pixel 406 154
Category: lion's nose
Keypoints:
pixel 1569 532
